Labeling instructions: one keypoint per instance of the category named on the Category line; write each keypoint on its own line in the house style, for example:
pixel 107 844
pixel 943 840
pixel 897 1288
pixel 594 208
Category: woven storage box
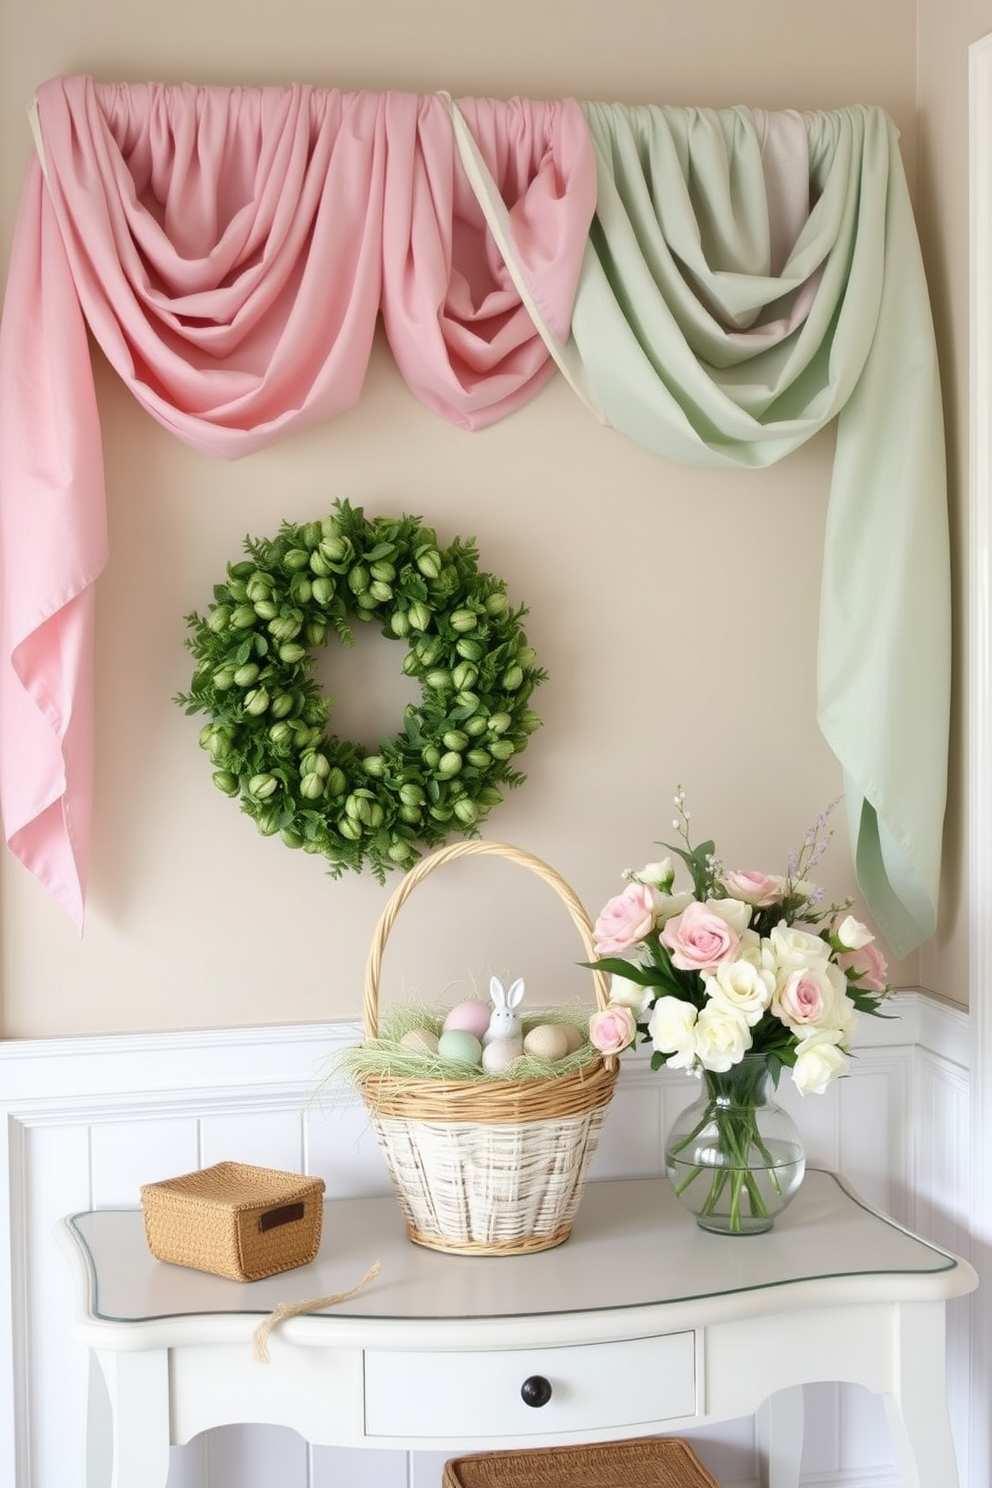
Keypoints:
pixel 235 1220
pixel 487 1167
pixel 646 1462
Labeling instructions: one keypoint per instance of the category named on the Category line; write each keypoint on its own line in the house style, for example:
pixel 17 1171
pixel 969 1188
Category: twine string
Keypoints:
pixel 260 1348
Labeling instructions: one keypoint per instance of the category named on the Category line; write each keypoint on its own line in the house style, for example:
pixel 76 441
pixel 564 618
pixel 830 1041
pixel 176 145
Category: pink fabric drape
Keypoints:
pixel 463 340
pixel 53 544
pixel 230 250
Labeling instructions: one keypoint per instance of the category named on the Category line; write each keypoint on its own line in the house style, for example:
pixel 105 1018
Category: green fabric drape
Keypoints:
pixel 695 344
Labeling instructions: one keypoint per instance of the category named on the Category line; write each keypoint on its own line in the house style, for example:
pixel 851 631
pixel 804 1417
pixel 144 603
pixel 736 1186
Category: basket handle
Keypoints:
pixel 472 847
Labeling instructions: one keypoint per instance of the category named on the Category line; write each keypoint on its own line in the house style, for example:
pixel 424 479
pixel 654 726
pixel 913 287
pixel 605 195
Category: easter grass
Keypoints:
pixel 384 1056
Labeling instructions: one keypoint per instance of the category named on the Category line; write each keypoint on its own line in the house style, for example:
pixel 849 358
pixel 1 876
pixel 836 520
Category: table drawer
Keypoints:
pixel 640 1381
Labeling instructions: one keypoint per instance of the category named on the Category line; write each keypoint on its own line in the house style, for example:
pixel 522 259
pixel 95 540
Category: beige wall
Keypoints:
pixel 628 563
pixel 945 34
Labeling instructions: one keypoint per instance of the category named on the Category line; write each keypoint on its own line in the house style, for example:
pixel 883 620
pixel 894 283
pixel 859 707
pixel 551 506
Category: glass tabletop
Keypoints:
pixel 632 1245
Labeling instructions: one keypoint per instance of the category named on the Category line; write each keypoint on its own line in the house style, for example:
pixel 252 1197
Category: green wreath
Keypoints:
pixel 267 736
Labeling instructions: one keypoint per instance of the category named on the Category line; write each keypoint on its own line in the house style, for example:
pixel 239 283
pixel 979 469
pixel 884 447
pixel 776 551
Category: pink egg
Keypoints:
pixel 469 1017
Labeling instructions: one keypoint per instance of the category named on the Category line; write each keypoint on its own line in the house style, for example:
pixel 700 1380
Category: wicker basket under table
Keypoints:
pixel 645 1462
pixel 487 1167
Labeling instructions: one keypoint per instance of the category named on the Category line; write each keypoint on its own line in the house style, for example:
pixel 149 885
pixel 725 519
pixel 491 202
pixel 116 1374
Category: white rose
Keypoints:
pixel 852 935
pixel 658 876
pixel 745 987
pixel 628 994
pixel 722 1036
pixel 667 906
pixel 819 1060
pixel 757 951
pixel 671 1029
pixel 795 949
pixel 734 912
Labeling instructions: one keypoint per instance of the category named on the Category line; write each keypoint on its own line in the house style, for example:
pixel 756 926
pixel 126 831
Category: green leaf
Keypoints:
pixel 866 1002
pixel 698 864
pixel 644 976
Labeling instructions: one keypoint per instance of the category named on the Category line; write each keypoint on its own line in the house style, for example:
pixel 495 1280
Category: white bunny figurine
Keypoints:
pixel 503 1041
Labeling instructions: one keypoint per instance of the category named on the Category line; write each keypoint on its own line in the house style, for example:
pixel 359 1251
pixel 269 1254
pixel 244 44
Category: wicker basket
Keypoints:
pixel 486 1167
pixel 234 1220
pixel 646 1462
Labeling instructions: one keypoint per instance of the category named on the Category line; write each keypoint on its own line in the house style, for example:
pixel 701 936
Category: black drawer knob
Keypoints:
pixel 536 1390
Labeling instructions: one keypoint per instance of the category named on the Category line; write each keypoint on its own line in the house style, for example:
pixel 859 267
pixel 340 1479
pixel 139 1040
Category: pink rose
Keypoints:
pixel 804 998
pixel 754 888
pixel 612 1029
pixel 624 920
pixel 699 939
pixel 866 967
pixel 815 997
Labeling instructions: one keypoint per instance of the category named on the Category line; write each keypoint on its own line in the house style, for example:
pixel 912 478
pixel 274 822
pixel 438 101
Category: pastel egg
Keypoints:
pixel 546 1041
pixel 576 1037
pixel 419 1041
pixel 499 1056
pixel 460 1046
pixel 469 1017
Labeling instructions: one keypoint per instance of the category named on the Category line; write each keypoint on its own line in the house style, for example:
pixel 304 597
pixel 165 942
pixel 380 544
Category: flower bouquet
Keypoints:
pixel 742 976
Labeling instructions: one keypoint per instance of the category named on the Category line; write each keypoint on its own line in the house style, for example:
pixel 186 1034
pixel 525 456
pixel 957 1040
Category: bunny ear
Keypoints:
pixel 516 992
pixel 497 992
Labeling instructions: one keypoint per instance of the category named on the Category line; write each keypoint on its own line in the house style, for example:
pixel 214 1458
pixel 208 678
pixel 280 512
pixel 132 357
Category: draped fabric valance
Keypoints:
pixel 715 355
pixel 717 285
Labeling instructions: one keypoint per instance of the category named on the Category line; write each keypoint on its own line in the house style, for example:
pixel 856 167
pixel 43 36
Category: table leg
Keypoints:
pixel 128 1445
pixel 779 1432
pixel 917 1405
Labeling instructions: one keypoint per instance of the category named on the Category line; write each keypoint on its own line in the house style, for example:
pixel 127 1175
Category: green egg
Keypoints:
pixel 459 1046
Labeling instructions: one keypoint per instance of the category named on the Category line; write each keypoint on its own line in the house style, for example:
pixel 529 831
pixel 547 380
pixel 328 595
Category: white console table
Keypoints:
pixel 640 1323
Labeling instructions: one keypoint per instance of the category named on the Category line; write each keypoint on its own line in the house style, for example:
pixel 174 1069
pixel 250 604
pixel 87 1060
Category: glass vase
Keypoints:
pixel 734 1157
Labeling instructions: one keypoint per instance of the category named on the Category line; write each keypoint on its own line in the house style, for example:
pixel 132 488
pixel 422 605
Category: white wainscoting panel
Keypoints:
pixel 87 1121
